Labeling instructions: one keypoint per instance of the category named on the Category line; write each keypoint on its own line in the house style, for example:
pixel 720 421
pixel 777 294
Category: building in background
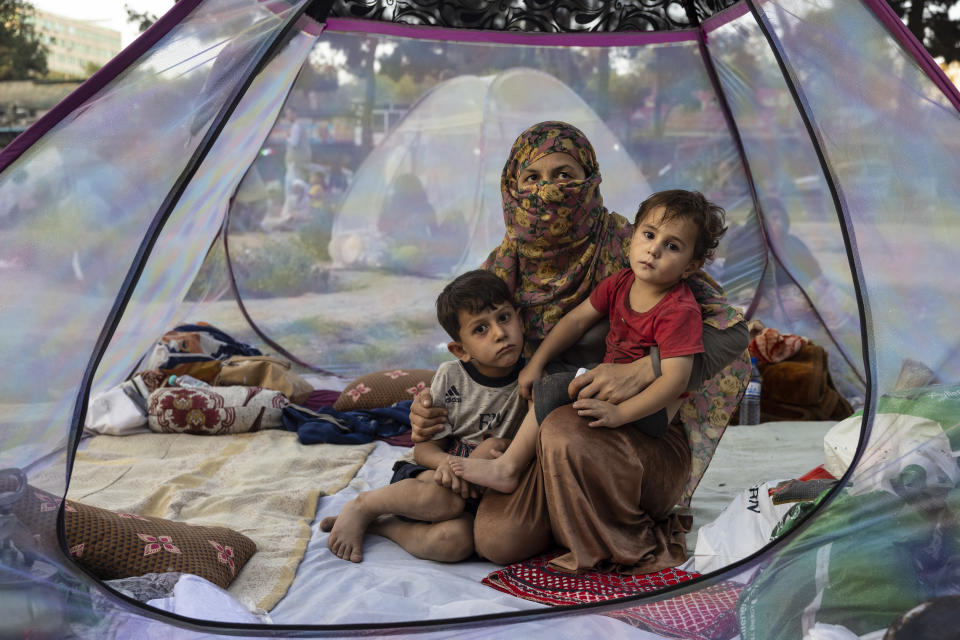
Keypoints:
pixel 76 48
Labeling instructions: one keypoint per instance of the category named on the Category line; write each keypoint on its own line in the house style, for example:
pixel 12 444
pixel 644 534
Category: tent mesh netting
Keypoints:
pixel 314 187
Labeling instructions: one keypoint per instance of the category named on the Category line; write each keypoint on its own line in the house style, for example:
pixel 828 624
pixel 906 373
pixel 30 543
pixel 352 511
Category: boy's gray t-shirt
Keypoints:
pixel 478 407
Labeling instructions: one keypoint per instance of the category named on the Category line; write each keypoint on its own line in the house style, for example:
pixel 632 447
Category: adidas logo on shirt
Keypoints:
pixel 452 395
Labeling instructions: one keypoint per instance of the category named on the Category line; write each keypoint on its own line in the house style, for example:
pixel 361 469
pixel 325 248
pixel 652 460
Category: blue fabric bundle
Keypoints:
pixel 326 425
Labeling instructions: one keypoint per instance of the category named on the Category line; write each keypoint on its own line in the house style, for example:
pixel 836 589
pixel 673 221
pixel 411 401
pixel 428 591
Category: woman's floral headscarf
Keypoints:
pixel 560 240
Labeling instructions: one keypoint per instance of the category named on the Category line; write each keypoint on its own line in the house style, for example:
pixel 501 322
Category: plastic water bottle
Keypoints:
pixel 750 404
pixel 187 381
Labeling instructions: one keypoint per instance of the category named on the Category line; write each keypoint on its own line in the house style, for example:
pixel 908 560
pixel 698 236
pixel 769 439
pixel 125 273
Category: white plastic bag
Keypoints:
pixel 116 411
pixel 744 526
pixel 896 442
pixel 195 597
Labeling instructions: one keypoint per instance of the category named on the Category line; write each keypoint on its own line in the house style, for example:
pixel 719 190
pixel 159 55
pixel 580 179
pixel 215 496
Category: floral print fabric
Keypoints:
pixel 214 410
pixel 560 240
pixel 706 413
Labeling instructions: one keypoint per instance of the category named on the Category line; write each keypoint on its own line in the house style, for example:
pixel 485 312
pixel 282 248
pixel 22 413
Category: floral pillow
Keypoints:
pixel 383 388
pixel 214 410
pixel 121 545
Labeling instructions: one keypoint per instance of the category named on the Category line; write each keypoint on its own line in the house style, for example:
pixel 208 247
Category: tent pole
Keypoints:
pixel 741 151
pixel 318 10
pixel 751 183
pixel 856 269
pixel 264 54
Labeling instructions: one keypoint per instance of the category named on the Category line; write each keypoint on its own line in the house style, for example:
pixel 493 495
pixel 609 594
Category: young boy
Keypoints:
pixel 484 408
pixel 648 304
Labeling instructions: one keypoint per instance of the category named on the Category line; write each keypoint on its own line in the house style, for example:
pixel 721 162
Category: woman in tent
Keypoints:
pixel 605 495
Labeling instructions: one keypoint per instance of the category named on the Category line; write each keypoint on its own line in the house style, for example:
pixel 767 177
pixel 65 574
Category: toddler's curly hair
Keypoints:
pixel 709 218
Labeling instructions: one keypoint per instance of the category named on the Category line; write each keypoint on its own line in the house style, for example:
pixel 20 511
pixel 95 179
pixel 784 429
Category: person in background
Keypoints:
pixel 415 240
pixel 297 156
pixel 786 300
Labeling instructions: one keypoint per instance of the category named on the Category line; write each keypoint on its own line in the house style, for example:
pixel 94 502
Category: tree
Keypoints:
pixel 930 22
pixel 22 55
pixel 143 19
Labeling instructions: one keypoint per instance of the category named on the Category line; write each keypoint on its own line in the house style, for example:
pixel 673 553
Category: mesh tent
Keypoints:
pixel 480 113
pixel 824 129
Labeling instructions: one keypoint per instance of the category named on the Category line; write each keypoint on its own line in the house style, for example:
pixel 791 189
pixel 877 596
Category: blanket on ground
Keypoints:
pixel 265 485
pixel 705 614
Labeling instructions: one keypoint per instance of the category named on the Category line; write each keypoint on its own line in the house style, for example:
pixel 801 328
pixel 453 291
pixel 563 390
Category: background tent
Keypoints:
pixel 113 209
pixel 404 210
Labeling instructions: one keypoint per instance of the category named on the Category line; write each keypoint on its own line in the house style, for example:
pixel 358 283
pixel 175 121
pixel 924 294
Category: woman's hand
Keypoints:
pixel 528 375
pixel 425 419
pixel 613 383
pixel 604 414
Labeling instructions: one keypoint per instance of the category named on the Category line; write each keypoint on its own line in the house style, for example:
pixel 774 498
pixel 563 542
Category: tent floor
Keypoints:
pixel 391 586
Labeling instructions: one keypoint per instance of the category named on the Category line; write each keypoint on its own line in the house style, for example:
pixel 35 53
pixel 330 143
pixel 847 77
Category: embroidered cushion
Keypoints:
pixel 122 545
pixel 214 410
pixel 383 388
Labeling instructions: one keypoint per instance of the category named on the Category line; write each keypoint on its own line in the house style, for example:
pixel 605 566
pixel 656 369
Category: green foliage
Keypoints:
pixel 143 19
pixel 387 340
pixel 280 267
pixel 930 22
pixel 22 56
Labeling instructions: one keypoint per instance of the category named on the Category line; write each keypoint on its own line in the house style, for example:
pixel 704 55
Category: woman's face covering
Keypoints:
pixel 555 168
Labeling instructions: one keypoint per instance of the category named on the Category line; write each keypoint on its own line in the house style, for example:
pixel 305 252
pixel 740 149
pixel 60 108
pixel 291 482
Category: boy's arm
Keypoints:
pixel 431 453
pixel 656 396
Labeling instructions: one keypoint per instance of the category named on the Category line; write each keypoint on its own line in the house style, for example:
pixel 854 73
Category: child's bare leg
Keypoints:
pixel 445 541
pixel 420 498
pixel 503 473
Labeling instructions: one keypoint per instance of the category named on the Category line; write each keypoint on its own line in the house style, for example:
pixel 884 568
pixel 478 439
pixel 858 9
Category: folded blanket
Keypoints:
pixel 265 485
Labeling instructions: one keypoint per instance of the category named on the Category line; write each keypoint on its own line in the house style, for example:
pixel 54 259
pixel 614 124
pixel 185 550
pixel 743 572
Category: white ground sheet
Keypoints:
pixel 392 586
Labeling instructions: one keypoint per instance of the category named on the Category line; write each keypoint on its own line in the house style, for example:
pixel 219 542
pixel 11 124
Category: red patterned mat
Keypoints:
pixel 706 614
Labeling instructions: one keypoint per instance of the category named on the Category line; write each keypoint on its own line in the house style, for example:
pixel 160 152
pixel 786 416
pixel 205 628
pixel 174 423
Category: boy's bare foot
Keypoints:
pixel 495 474
pixel 347 530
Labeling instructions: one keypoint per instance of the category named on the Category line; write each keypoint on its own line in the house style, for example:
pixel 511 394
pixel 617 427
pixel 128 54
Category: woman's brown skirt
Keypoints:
pixel 605 495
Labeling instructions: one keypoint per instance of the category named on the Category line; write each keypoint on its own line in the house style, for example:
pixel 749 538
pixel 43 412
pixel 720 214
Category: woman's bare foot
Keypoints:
pixel 495 474
pixel 347 530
